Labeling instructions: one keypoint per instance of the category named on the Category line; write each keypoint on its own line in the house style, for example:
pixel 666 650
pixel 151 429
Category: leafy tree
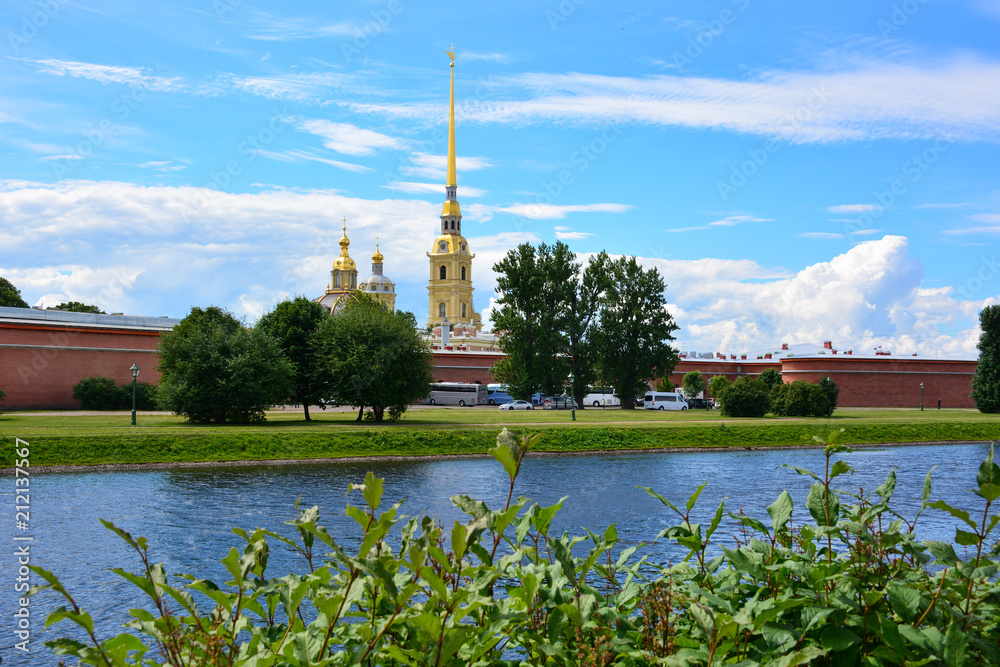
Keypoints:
pixel 635 330
pixel 986 381
pixel 718 385
pixel 800 399
pixel 521 282
pixel 771 377
pixel 294 325
pixel 693 384
pixel 77 307
pixel 747 397
pixel 582 315
pixel 376 358
pixel 832 392
pixel 216 370
pixel 10 296
pixel 664 384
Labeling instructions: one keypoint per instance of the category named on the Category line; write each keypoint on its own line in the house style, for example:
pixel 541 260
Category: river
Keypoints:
pixel 187 513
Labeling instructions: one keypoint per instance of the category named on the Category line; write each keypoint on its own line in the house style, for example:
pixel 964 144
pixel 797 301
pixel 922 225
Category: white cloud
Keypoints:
pixel 348 139
pixel 728 221
pixel 989 223
pixel 871 295
pixel 858 101
pixel 854 208
pixel 569 234
pixel 821 235
pixel 556 212
pixel 304 87
pixel 431 188
pixel 268 27
pixel 105 74
pixel 489 57
pixel 435 166
pixel 299 156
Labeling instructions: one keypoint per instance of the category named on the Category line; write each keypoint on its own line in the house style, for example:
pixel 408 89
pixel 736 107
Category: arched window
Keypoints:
pixel 354 277
pixel 336 278
pixel 463 310
pixel 463 273
pixel 441 309
pixel 444 273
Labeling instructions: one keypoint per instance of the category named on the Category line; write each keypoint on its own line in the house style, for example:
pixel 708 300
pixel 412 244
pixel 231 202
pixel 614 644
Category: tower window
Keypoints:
pixel 336 278
pixel 463 310
pixel 353 278
pixel 444 273
pixel 463 273
pixel 441 309
pixel 453 224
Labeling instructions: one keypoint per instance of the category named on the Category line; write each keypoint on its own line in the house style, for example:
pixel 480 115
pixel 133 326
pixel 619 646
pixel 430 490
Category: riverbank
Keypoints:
pixel 101 440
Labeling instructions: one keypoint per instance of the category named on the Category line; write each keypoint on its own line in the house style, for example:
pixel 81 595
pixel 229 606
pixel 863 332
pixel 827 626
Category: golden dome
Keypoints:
pixel 377 257
pixel 451 207
pixel 344 262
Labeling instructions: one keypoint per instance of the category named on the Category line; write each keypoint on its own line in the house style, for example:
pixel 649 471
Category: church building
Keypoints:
pixel 377 286
pixel 450 287
pixel 343 279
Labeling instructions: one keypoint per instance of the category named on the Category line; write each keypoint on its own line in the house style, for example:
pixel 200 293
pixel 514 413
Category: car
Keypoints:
pixel 557 403
pixel 699 403
pixel 516 405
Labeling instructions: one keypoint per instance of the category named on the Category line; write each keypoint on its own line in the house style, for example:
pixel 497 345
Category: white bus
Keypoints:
pixel 455 393
pixel 601 397
pixel 664 401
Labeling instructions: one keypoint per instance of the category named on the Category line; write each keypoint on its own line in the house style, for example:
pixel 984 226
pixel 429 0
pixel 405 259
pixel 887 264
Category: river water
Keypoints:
pixel 187 514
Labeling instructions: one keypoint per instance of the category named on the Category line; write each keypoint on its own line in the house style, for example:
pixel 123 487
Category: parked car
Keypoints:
pixel 516 405
pixel 557 403
pixel 700 403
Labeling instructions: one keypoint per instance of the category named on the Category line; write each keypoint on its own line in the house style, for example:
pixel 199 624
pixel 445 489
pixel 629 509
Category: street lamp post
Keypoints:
pixel 135 376
pixel 921 396
pixel 572 395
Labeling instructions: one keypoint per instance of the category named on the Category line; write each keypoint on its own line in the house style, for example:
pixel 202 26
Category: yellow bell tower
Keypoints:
pixel 450 287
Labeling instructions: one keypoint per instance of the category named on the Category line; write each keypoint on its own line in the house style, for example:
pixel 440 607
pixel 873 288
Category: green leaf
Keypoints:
pixel 459 537
pixel 654 494
pixel 823 505
pixel 965 538
pixel 956 644
pixel 803 471
pixel 839 468
pixel 989 472
pixel 954 511
pixel 780 511
pixel 905 601
pixel 506 458
pixel 942 551
pixel 886 489
pixel 838 639
pixel 705 619
pixel 927 485
pixel 694 496
pixel 989 491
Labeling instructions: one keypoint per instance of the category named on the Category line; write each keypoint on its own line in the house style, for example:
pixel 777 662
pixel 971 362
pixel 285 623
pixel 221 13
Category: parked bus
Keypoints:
pixel 497 394
pixel 601 397
pixel 455 393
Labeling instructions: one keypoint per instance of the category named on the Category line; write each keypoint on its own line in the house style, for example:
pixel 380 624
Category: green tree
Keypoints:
pixel 582 316
pixel 718 386
pixel 294 325
pixel 77 307
pixel 693 384
pixel 986 381
pixel 832 392
pixel 376 357
pixel 747 397
pixel 771 377
pixel 521 282
pixel 664 384
pixel 216 370
pixel 800 399
pixel 10 296
pixel 635 330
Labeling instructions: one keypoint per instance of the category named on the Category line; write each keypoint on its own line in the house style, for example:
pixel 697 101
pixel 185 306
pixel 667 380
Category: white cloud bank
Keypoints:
pixel 160 250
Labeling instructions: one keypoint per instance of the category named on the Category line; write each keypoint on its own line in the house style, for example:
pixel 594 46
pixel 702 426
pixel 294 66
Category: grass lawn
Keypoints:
pixel 93 438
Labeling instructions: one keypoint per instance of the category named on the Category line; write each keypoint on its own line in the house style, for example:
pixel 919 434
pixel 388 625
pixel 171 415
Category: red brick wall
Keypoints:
pixel 41 374
pixel 464 366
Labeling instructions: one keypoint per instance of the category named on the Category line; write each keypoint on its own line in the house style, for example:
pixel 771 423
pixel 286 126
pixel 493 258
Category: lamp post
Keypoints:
pixel 572 395
pixel 135 376
pixel 921 396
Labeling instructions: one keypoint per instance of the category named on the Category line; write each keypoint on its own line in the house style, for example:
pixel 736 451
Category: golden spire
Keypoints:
pixel 344 241
pixel 452 179
pixel 377 257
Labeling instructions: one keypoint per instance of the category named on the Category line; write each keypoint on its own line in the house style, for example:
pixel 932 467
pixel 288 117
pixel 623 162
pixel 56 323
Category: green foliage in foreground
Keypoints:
pixel 851 587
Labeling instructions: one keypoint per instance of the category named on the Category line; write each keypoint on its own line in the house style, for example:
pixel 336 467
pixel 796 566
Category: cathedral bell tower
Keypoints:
pixel 450 287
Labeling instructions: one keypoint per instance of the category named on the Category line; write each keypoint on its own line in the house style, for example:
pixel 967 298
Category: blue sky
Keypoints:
pixel 798 172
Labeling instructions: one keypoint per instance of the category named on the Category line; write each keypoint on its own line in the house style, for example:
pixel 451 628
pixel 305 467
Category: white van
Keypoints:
pixel 664 401
pixel 601 397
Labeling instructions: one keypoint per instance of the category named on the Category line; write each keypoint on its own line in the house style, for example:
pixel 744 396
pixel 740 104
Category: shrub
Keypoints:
pixel 693 384
pixel 717 386
pixel 747 397
pixel 829 388
pixel 99 393
pixel 800 399
pixel 851 587
pixel 664 384
pixel 771 377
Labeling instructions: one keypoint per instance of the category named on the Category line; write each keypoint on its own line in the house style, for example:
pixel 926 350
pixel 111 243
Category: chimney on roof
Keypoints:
pixel 784 346
pixel 828 345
